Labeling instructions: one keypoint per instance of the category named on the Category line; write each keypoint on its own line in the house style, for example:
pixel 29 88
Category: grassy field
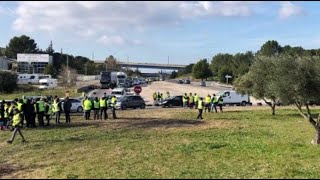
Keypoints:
pixel 168 143
pixel 35 92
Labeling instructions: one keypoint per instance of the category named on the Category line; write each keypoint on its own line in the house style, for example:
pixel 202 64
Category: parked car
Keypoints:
pixel 130 101
pixel 203 83
pixel 180 81
pixel 76 105
pixel 171 101
pixel 186 81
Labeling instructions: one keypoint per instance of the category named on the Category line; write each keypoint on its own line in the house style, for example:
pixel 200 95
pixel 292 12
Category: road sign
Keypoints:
pixel 137 89
pixel 228 76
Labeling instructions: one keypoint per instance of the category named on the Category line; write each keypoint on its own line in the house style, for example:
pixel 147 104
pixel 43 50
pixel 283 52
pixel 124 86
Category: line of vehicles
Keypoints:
pixel 114 79
pixel 45 81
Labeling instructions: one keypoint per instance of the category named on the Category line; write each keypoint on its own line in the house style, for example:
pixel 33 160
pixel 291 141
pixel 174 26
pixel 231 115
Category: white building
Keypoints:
pixel 33 63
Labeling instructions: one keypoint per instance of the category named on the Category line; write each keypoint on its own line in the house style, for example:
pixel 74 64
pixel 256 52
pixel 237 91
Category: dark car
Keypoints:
pixel 180 81
pixel 171 101
pixel 130 101
pixel 187 81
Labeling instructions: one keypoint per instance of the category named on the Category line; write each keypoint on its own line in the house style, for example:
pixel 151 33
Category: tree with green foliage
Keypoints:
pixel 49 69
pixel 8 81
pixel 270 48
pixel 186 70
pixel 201 70
pixel 22 44
pixel 298 82
pixel 112 63
pixel 259 82
pixel 173 75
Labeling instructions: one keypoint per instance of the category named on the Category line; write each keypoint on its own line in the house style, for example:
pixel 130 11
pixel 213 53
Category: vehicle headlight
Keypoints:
pixel 163 102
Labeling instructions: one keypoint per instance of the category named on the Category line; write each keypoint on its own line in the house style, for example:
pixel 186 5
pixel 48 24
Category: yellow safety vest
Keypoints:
pixel 214 99
pixel 208 99
pixel 87 105
pixel 55 107
pixel 113 101
pixel 191 99
pixel 96 104
pixel 50 109
pixel 16 119
pixel 196 98
pixel 103 103
pixel 154 95
pixel 200 104
pixel 185 98
pixel 20 106
pixel 41 106
pixel 220 101
pixel 6 115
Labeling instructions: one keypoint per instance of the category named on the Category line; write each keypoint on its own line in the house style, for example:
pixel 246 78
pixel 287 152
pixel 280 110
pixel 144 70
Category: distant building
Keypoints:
pixel 33 63
pixel 4 63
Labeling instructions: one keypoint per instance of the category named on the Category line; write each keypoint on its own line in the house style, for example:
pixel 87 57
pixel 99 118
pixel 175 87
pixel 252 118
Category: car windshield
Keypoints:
pixel 123 98
pixel 115 92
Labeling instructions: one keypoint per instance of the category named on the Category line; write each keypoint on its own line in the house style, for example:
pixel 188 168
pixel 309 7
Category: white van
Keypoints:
pixel 32 78
pixel 118 92
pixel 48 83
pixel 234 98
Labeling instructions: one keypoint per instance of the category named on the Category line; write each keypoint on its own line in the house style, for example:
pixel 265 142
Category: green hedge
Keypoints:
pixel 8 81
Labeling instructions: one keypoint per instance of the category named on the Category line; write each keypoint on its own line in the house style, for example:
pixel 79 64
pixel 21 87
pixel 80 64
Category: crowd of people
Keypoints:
pixel 209 103
pixel 23 112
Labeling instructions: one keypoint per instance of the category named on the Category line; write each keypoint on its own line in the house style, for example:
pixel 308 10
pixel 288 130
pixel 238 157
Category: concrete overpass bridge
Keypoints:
pixel 148 65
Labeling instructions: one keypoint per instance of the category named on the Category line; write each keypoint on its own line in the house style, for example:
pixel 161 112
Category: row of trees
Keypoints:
pixel 237 65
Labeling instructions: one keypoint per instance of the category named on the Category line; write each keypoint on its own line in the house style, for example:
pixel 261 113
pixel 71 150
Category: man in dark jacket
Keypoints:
pixel 67 108
pixel 29 110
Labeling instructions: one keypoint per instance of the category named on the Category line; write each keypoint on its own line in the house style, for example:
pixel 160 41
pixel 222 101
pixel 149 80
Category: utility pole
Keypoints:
pixel 68 73
pixel 86 68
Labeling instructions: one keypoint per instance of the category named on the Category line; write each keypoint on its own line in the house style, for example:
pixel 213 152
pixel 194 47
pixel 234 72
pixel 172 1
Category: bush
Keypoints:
pixel 8 81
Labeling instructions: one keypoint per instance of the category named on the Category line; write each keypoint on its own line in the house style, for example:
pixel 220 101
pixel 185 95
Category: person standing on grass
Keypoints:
pixel 57 109
pixel 16 123
pixel 113 106
pixel 96 108
pixel 2 112
pixel 214 101
pixel 103 108
pixel 220 103
pixel 67 108
pixel 29 110
pixel 200 108
pixel 195 99
pixel 154 96
pixel 185 100
pixel 40 111
pixel 207 103
pixel 87 105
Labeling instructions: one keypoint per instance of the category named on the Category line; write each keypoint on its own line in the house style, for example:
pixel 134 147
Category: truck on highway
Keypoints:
pixel 234 98
pixel 112 79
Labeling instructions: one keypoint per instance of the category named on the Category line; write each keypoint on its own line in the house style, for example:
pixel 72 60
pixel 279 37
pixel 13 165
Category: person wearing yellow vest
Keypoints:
pixel 16 123
pixel 195 100
pixel 87 106
pixel 214 102
pixel 103 108
pixel 113 106
pixel 168 95
pixel 207 103
pixel 56 108
pixel 200 108
pixel 154 96
pixel 220 103
pixel 21 106
pixel 48 111
pixel 2 112
pixel 40 106
pixel 191 101
pixel 185 100
pixel 96 108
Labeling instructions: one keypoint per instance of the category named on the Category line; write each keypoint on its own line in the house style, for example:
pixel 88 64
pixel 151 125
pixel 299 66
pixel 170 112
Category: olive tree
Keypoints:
pixel 259 82
pixel 298 83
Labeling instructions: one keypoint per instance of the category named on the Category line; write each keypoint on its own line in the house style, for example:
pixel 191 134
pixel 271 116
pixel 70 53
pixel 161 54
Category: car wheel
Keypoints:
pixel 124 107
pixel 243 103
pixel 170 105
pixel 143 106
pixel 80 109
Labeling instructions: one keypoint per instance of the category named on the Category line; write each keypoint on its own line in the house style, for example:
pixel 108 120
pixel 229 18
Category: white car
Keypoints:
pixel 76 105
